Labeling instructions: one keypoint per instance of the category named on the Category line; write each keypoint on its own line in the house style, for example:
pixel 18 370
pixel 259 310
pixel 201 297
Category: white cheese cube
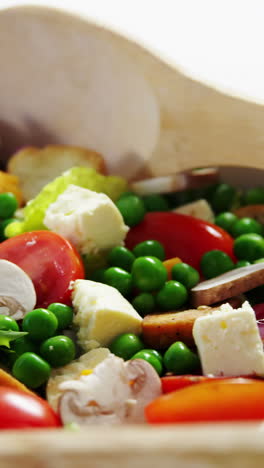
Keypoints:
pixel 102 313
pixel 88 219
pixel 198 209
pixel 229 343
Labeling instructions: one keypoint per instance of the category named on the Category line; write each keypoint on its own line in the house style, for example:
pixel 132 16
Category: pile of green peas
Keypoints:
pixel 178 358
pixel 8 207
pixel 221 196
pixel 141 277
pixel 248 245
pixel 43 348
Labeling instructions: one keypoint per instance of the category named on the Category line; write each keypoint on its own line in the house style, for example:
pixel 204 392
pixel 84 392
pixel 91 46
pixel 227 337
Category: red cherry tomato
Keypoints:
pixel 182 236
pixel 171 383
pixel 49 260
pixel 21 410
pixel 236 399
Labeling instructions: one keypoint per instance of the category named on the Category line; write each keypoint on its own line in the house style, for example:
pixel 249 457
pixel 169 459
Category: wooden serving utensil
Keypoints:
pixel 66 80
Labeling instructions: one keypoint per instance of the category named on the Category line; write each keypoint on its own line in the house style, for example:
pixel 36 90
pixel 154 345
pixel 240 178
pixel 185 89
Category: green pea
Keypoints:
pixel 185 274
pixel 148 273
pixel 172 295
pixel 31 370
pixel 126 345
pixel 40 324
pixel 215 262
pixel 23 345
pixel 63 313
pixel 3 225
pixel 7 323
pixel 119 279
pixel 226 220
pixel 246 226
pixel 148 356
pixel 155 353
pixel 156 202
pixel 132 209
pixel 121 257
pixel 151 248
pixel 58 350
pixel 242 263
pixel 254 196
pixel 249 247
pixel 222 198
pixel 179 359
pixel 144 303
pixel 8 205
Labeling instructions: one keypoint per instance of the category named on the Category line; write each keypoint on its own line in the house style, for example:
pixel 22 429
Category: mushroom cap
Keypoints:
pixel 17 292
pixel 116 392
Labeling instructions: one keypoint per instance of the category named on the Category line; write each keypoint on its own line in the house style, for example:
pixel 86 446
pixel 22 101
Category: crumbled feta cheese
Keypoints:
pixel 88 219
pixel 229 343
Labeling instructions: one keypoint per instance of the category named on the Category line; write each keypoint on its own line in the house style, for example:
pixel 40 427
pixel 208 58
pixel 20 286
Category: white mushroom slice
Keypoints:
pixel 191 179
pixel 72 371
pixel 116 392
pixel 229 284
pixel 17 292
pixel 146 386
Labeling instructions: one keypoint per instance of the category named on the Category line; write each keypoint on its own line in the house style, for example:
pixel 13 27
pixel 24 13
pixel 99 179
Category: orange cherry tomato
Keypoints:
pixel 49 260
pixel 237 399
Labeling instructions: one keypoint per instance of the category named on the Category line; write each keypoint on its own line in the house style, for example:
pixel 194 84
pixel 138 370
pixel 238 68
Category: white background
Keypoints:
pixel 218 41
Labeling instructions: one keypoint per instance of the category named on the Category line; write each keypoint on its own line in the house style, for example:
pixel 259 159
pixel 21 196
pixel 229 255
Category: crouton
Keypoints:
pixel 35 167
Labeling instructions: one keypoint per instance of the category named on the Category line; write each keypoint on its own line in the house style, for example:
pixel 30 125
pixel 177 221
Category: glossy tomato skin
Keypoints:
pixel 237 399
pixel 20 410
pixel 49 260
pixel 182 236
pixel 171 383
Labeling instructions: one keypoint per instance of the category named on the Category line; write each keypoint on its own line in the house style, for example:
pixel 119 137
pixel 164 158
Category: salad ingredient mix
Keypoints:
pixel 129 303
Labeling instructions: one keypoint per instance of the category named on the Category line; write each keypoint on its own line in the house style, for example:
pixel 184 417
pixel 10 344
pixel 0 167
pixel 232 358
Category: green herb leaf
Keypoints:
pixel 6 336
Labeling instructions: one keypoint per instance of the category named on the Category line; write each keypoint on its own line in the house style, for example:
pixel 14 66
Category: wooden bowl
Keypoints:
pixel 66 80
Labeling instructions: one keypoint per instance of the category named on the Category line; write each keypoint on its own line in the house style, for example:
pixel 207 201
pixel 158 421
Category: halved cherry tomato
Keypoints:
pixel 171 383
pixel 50 261
pixel 182 236
pixel 236 399
pixel 20 410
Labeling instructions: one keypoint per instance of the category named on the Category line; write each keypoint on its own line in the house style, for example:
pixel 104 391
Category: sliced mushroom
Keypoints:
pixel 229 284
pixel 191 179
pixel 72 371
pixel 116 392
pixel 17 292
pixel 145 385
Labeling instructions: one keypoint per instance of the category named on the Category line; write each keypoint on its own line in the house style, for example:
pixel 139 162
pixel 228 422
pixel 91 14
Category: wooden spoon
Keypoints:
pixel 66 80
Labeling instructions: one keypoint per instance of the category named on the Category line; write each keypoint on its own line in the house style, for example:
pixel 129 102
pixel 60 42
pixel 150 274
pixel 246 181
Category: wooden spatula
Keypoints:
pixel 66 80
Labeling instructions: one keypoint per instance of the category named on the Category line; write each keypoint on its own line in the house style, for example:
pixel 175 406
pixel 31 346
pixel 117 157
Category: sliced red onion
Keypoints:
pixel 259 311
